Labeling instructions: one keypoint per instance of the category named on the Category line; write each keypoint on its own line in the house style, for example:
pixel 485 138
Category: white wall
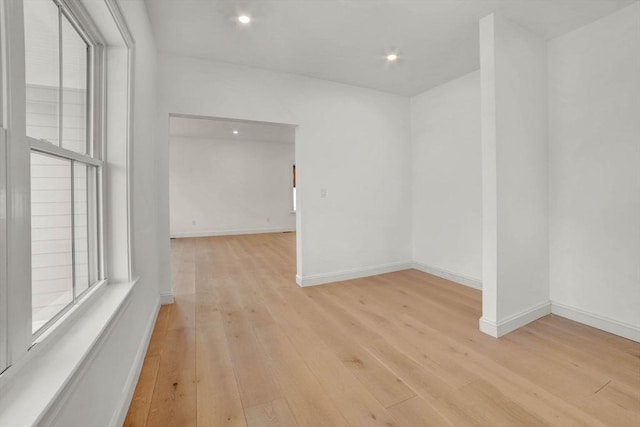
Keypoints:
pixel 350 141
pixel 95 397
pixel 594 110
pixel 447 179
pixel 514 143
pixel 227 186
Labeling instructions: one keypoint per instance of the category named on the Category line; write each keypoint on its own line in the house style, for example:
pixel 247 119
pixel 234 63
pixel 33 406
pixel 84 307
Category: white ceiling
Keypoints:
pixel 212 128
pixel 346 40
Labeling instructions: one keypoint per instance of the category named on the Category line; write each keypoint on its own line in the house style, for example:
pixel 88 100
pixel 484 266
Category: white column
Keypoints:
pixel 514 162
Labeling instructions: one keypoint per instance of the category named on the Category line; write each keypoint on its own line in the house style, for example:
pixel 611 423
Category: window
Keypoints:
pixel 65 206
pixel 65 164
pixel 293 180
pixel 66 93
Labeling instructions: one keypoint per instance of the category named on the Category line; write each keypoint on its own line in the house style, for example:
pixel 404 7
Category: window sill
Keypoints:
pixel 30 388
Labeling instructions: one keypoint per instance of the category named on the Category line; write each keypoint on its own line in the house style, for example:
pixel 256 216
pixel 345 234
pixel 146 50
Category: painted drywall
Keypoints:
pixel 447 178
pixel 594 168
pixel 514 143
pixel 227 186
pixel 351 142
pixel 100 392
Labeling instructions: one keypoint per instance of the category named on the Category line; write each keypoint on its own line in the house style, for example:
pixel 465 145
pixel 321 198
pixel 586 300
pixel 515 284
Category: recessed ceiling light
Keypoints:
pixel 392 57
pixel 244 19
pixel 235 132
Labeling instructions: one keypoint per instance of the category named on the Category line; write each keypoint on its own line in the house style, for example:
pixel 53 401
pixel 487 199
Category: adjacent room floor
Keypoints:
pixel 244 345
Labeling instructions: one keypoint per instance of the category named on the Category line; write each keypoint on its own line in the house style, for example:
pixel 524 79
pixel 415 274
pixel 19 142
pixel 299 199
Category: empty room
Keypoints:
pixel 230 177
pixel 319 213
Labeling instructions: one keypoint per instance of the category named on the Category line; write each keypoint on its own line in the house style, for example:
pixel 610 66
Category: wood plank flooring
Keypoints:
pixel 243 345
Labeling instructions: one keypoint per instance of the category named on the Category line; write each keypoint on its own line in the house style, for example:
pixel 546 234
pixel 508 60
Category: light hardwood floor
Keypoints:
pixel 244 345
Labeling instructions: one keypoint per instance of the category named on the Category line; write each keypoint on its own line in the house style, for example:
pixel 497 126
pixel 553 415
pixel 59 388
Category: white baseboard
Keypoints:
pixel 596 321
pixel 320 279
pixel 488 327
pixel 514 321
pixel 166 298
pixel 231 232
pixel 122 408
pixel 463 280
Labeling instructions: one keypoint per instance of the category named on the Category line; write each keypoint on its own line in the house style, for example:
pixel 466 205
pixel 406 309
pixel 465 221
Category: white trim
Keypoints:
pixel 40 388
pixel 4 102
pixel 515 321
pixel 166 298
pixel 118 172
pixel 18 185
pixel 597 321
pixel 58 326
pixel 121 22
pixel 229 119
pixel 124 29
pixel 488 327
pixel 127 37
pixel 120 414
pixel 448 275
pixel 46 147
pixel 3 246
pixel 356 273
pixel 231 232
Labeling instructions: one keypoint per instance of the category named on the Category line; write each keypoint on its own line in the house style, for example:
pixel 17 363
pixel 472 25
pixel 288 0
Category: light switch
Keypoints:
pixel 323 192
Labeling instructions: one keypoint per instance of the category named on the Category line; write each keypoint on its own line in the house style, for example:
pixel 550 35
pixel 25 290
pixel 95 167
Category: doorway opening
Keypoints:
pixel 231 177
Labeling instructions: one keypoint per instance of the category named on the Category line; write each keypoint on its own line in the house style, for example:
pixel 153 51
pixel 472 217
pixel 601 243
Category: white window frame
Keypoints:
pixel 3 199
pixel 94 144
pixel 3 241
pixel 18 273
pixel 115 66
